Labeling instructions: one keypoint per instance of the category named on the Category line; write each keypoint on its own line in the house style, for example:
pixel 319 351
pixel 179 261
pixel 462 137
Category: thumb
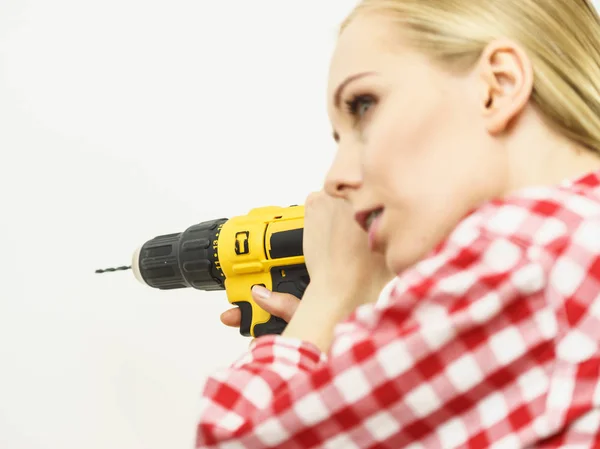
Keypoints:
pixel 282 305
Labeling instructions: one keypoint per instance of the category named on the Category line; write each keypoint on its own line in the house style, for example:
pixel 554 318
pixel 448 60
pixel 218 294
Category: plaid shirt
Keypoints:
pixel 491 341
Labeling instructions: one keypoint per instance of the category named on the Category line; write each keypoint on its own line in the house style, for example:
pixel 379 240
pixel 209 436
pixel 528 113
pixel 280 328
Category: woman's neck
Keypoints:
pixel 538 156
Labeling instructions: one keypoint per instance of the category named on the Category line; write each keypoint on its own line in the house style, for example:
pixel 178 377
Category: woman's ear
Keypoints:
pixel 506 84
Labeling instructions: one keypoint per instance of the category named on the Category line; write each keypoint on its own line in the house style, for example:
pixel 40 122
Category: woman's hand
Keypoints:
pixel 344 272
pixel 337 253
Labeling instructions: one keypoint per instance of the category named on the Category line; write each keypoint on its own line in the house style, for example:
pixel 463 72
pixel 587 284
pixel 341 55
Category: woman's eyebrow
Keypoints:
pixel 337 97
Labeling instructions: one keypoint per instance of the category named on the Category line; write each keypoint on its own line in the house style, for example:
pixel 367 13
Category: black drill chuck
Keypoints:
pixel 182 260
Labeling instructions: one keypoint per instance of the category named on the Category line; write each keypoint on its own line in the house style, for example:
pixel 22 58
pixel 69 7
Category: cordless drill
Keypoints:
pixel 263 247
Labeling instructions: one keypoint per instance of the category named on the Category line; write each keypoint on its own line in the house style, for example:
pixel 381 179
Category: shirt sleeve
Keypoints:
pixel 461 353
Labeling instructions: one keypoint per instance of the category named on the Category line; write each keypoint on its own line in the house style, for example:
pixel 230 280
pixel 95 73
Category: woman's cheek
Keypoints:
pixel 380 151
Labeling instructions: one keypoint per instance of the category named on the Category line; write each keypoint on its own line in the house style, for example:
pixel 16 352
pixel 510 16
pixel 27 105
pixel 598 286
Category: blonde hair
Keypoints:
pixel 561 38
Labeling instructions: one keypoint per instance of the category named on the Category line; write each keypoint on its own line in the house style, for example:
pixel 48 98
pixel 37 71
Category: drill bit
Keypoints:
pixel 110 270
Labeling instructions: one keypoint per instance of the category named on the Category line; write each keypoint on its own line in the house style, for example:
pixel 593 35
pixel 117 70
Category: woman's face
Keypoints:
pixel 413 142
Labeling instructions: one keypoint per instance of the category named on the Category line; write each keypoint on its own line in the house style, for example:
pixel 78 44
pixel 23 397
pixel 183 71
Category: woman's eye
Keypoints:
pixel 359 105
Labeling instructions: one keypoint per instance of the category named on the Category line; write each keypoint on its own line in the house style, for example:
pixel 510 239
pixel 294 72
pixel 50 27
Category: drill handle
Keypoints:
pixel 255 322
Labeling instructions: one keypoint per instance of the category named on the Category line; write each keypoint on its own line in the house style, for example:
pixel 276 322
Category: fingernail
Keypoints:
pixel 261 292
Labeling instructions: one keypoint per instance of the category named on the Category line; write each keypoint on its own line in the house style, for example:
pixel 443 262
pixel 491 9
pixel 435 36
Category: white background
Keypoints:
pixel 121 120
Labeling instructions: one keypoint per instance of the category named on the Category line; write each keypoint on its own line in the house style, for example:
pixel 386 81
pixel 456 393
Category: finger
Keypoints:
pixel 282 305
pixel 232 317
pixel 313 197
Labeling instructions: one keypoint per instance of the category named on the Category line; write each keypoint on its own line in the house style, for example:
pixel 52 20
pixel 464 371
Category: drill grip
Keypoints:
pixel 292 279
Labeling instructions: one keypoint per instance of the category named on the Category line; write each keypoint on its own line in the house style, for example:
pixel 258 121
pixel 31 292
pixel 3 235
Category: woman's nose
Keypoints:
pixel 343 176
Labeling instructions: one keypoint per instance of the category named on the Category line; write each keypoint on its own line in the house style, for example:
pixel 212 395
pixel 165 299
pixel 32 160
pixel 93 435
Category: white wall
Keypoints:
pixel 121 120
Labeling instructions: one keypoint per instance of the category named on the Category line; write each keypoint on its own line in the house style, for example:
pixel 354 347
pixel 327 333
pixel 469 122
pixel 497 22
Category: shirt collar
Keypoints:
pixel 588 180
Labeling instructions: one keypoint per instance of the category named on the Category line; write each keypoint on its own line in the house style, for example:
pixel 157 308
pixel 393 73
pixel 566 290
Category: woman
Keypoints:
pixel 469 157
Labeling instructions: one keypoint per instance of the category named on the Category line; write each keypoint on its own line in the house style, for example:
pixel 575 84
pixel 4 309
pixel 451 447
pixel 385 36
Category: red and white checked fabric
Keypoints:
pixel 492 341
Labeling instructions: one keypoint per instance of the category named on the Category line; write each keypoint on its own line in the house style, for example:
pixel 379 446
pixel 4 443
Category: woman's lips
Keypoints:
pixel 374 243
pixel 362 218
